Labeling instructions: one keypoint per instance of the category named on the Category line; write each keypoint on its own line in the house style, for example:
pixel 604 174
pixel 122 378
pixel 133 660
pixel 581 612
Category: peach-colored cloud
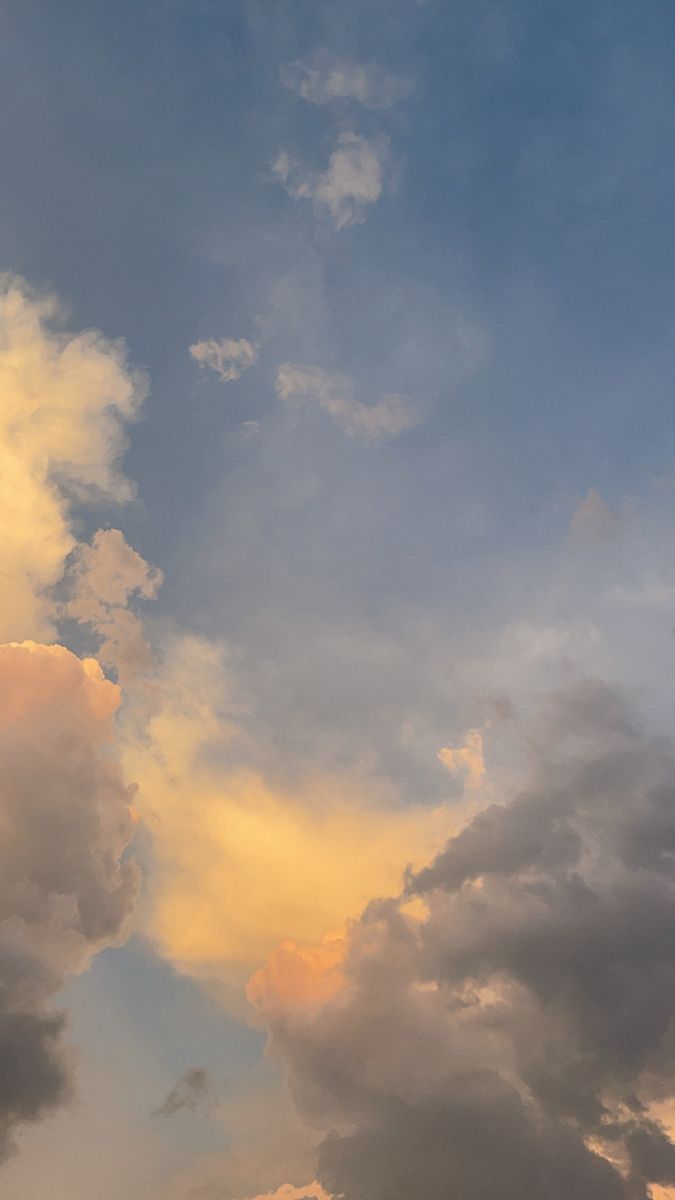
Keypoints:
pixel 103 579
pixel 287 1191
pixel 466 760
pixel 296 974
pixel 65 401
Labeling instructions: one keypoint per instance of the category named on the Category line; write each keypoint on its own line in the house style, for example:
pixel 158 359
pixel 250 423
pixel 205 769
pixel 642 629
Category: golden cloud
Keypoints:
pixel 65 400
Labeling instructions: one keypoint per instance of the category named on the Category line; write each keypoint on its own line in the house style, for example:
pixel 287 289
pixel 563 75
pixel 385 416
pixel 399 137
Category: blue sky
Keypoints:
pixel 507 276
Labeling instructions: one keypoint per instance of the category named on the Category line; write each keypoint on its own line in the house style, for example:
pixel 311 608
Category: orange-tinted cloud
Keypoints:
pixel 239 864
pixel 297 974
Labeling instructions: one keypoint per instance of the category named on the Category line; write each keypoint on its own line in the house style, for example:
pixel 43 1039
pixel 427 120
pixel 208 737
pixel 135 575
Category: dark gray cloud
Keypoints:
pixel 187 1094
pixel 64 891
pixel 512 1042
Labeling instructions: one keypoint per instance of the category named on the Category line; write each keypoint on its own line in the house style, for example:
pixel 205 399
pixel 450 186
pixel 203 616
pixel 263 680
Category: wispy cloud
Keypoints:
pixel 324 78
pixel 389 416
pixel 353 179
pixel 593 520
pixel 189 1092
pixel 229 357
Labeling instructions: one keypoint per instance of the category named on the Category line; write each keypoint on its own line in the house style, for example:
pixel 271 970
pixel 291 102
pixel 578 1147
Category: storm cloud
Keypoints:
pixel 65 892
pixel 517 1040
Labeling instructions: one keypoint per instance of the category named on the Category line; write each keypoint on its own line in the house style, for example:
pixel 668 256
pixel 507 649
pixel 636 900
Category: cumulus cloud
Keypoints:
pixel 65 889
pixel 229 357
pixel 189 1092
pixel 354 178
pixel 514 1037
pixel 287 1191
pixel 389 416
pixel 65 401
pixel 103 578
pixel 326 79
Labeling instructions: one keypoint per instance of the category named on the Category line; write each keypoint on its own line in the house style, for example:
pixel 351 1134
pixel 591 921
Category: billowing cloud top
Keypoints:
pixel 514 1040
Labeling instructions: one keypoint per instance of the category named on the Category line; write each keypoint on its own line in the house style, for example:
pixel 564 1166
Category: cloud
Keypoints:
pixel 287 1191
pixel 65 890
pixel 353 179
pixel 229 357
pixel 65 401
pixel 514 1036
pixel 240 863
pixel 326 79
pixel 389 416
pixel 467 760
pixel 189 1092
pixel 267 1142
pixel 593 521
pixel 102 579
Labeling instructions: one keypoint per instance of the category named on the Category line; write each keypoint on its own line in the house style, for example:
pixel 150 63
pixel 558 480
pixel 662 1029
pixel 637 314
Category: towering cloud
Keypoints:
pixel 66 887
pixel 65 400
pixel 65 890
pixel 518 1039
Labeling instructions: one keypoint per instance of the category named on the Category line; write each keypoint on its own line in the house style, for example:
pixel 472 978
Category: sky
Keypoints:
pixel 337 600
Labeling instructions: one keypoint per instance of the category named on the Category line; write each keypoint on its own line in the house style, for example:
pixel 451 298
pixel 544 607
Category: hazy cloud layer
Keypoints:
pixel 324 78
pixel 353 179
pixel 389 416
pixel 513 1040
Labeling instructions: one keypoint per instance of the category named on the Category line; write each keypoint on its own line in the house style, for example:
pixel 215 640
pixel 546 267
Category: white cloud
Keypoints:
pixel 326 79
pixel 353 179
pixel 229 357
pixel 391 415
